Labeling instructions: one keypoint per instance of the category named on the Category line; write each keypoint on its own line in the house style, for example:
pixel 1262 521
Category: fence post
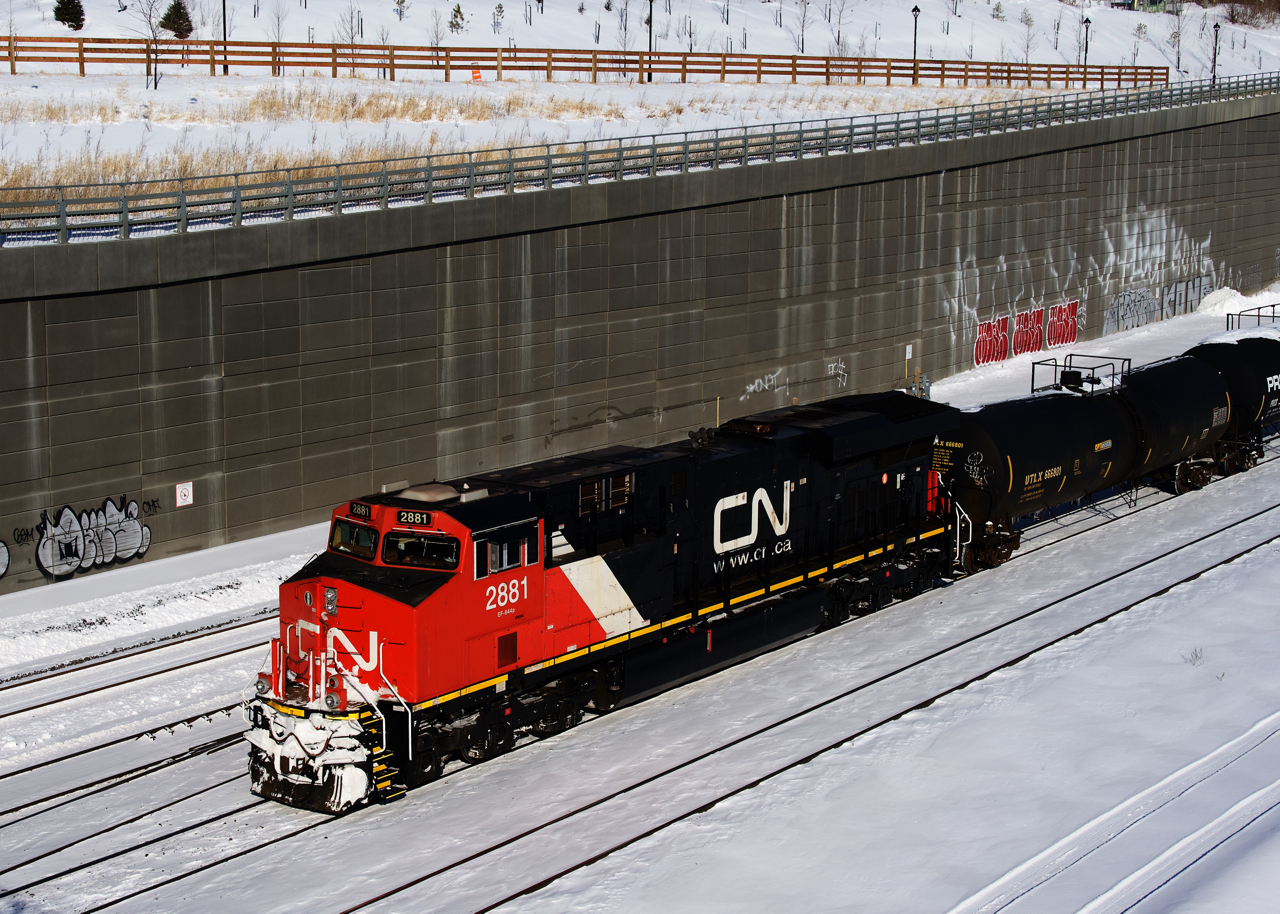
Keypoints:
pixel 511 172
pixel 148 53
pixel 499 63
pixel 430 191
pixel 80 51
pixel 447 62
pixel 391 63
pixel 386 188
pixel 212 71
pixel 337 190
pixel 828 71
pixel 471 175
pixel 793 68
pixel 915 72
pixel 182 207
pixel 13 55
pixel 546 181
pixel 593 66
pixel 62 218
pixel 548 66
pixel 759 68
pixel 275 59
pixel 724 60
pixel 333 61
pixel 684 67
pixel 236 210
pixel 288 199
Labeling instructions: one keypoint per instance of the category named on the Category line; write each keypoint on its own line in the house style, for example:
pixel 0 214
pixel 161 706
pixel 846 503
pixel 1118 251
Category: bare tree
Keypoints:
pixel 803 19
pixel 626 38
pixel 839 40
pixel 1178 10
pixel 277 13
pixel 1080 35
pixel 346 30
pixel 435 35
pixel 147 15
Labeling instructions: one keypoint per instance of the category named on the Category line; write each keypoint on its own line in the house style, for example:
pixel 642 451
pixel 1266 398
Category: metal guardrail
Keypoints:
pixel 61 215
pixel 1254 317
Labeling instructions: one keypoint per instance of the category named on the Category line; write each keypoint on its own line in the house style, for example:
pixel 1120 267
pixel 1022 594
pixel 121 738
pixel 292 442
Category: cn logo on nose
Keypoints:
pixel 1273 383
pixel 760 499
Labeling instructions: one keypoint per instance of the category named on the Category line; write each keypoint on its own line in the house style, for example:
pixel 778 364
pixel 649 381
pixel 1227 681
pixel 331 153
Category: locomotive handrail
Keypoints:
pixel 100 212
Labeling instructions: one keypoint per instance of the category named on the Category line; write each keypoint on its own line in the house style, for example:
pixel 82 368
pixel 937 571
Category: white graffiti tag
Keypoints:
pixel 67 544
pixel 836 369
pixel 4 558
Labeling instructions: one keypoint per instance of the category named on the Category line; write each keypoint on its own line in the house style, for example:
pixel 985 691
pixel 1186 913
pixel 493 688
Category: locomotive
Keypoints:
pixel 446 620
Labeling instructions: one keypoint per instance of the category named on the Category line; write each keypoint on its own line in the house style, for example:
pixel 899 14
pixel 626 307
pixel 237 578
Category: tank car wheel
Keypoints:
pixel 1182 485
pixel 565 716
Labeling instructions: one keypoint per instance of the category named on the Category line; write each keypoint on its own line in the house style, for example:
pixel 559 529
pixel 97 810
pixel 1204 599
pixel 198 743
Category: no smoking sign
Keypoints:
pixel 184 494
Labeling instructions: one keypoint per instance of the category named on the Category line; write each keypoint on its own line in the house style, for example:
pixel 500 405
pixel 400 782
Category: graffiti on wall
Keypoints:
pixel 67 543
pixel 1135 307
pixel 1063 327
pixel 1028 331
pixel 993 341
pixel 4 558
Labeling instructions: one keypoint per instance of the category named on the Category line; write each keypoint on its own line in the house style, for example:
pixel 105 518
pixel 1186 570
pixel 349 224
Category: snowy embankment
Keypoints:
pixel 59 128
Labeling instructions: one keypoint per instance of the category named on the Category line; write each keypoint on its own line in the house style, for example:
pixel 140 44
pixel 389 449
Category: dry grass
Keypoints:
pixel 334 103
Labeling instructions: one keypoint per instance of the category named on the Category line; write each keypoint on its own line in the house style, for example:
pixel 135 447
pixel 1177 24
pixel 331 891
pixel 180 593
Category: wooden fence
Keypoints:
pixel 497 63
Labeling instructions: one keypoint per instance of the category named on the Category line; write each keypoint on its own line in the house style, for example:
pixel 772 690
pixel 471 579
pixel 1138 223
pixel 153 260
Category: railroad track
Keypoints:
pixel 765 741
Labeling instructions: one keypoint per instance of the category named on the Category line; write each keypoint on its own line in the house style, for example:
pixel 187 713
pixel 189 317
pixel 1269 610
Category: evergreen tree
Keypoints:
pixel 177 19
pixel 70 13
pixel 457 22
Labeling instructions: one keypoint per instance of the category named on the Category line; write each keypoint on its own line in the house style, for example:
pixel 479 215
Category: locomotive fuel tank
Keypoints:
pixel 1182 407
pixel 1009 459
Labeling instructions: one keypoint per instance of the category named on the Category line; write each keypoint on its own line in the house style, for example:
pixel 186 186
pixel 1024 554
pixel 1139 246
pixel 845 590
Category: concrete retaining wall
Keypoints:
pixel 283 368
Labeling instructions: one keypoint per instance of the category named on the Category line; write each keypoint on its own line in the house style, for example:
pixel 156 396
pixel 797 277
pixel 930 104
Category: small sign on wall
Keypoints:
pixel 184 494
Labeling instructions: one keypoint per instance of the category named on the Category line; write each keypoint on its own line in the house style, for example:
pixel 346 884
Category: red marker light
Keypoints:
pixel 884 480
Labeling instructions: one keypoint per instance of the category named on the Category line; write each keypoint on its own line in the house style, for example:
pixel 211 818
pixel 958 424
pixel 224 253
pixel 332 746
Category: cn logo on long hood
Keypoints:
pixel 760 499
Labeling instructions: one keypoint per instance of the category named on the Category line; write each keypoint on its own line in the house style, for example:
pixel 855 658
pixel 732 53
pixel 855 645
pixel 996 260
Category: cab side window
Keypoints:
pixel 506 551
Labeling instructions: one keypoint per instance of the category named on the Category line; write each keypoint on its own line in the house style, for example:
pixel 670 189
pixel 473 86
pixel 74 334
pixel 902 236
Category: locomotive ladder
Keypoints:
pixel 386 786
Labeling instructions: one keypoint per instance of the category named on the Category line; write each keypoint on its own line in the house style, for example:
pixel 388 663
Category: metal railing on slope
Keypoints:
pixel 1254 317
pixel 47 215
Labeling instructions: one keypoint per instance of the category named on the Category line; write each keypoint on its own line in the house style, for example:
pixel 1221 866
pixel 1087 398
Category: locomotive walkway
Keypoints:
pixel 102 212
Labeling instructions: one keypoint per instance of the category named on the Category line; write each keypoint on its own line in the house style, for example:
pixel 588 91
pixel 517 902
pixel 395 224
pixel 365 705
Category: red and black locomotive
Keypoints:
pixel 445 620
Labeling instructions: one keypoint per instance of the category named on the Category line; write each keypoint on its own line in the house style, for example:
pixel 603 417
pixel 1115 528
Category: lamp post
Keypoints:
pixel 1214 79
pixel 224 37
pixel 650 67
pixel 1087 23
pixel 915 31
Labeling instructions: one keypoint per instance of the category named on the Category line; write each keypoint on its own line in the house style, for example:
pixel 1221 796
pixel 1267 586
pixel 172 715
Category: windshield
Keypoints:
pixel 354 540
pixel 419 551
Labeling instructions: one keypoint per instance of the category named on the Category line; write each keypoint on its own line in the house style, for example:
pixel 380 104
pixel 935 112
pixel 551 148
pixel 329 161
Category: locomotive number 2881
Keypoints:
pixel 507 592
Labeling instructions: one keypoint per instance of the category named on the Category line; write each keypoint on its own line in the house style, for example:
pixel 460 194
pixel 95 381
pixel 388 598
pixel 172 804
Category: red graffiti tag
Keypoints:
pixel 1062 325
pixel 1027 336
pixel 993 341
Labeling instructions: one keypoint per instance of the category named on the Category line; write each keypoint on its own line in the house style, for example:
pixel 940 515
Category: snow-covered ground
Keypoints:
pixel 1132 762
pixel 60 128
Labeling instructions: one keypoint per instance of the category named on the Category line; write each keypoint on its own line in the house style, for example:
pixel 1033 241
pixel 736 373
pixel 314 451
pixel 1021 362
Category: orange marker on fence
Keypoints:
pixel 475 72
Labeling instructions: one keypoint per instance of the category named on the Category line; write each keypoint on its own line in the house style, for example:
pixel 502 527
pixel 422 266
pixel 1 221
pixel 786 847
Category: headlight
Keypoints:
pixel 263 686
pixel 331 701
pixel 331 600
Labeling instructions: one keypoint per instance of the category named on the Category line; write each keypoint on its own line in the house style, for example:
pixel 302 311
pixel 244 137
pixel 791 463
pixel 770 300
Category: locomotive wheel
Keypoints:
pixel 565 716
pixel 484 743
pixel 427 762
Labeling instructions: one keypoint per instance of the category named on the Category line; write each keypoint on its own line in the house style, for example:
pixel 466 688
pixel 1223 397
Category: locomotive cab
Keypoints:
pixel 423 565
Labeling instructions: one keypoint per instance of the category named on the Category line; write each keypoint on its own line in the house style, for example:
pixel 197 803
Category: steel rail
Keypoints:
pixel 681 766
pixel 101 212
